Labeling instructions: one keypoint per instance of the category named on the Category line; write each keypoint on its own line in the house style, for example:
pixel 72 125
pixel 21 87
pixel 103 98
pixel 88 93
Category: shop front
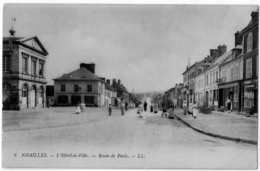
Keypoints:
pixel 250 98
pixel 231 91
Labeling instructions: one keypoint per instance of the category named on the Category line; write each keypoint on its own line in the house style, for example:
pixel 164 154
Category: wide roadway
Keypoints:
pixel 102 141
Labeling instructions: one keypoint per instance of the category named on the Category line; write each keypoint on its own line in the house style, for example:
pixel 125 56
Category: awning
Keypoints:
pixel 228 85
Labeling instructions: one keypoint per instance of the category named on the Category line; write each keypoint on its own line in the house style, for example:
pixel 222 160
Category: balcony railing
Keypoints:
pixel 221 80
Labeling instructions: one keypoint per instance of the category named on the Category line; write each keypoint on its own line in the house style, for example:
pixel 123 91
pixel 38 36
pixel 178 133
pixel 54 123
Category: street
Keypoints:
pixel 92 139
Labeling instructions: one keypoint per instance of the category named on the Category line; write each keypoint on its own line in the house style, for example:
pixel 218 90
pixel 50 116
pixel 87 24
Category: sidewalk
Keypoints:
pixel 229 126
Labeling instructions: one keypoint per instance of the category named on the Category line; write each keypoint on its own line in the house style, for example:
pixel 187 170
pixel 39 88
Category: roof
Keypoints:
pixel 27 42
pixel 81 74
pixel 109 87
pixel 119 87
pixel 220 59
pixel 252 23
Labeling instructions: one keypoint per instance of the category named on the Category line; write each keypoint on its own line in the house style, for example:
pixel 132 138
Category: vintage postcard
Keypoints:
pixel 110 86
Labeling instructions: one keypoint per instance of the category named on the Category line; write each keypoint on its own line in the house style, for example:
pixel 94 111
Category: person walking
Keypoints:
pixel 122 107
pixel 145 106
pixel 229 104
pixel 171 111
pixel 126 105
pixel 78 108
pixel 109 109
pixel 151 108
pixel 195 110
pixel 140 110
pixel 155 108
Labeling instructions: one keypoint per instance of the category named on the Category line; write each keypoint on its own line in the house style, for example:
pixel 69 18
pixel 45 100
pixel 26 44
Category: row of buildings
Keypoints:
pixel 24 80
pixel 224 74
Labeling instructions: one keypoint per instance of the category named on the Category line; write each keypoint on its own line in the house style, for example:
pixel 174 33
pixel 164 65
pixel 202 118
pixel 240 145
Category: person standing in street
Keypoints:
pixel 122 107
pixel 229 104
pixel 78 108
pixel 126 105
pixel 155 108
pixel 140 110
pixel 145 106
pixel 151 108
pixel 195 110
pixel 171 111
pixel 109 109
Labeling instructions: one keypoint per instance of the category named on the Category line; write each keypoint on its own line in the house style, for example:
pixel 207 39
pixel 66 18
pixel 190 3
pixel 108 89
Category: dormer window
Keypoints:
pixel 249 42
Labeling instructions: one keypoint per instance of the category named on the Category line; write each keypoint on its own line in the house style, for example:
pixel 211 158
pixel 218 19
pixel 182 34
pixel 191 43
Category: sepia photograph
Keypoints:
pixel 130 86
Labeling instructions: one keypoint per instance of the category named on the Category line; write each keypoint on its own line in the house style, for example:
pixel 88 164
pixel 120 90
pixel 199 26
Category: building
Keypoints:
pixel 111 94
pixel 231 74
pixel 80 86
pixel 121 90
pixel 24 72
pixel 212 76
pixel 250 40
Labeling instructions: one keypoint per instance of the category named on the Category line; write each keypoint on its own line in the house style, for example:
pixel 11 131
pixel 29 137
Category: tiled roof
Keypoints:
pixel 119 87
pixel 254 21
pixel 109 87
pixel 79 74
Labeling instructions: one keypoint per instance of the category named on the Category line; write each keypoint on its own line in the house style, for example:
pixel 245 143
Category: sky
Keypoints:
pixel 147 47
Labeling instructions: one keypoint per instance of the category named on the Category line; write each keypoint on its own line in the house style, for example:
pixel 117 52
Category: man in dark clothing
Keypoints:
pixel 145 106
pixel 126 105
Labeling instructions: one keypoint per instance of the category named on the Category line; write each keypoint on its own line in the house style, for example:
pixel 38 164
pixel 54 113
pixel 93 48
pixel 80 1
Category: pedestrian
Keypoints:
pixel 164 113
pixel 145 106
pixel 126 105
pixel 78 108
pixel 151 108
pixel 140 110
pixel 195 110
pixel 122 107
pixel 155 108
pixel 171 111
pixel 109 109
pixel 229 104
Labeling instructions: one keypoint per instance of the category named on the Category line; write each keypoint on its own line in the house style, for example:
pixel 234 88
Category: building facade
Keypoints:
pixel 24 73
pixel 80 86
pixel 249 37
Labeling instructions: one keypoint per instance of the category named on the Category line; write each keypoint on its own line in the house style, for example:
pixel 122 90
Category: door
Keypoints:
pixel 33 97
pixel 207 98
pixel 89 100
pixel 75 100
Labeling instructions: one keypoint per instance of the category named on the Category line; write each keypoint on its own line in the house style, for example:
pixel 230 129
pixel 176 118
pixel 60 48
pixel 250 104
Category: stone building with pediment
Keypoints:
pixel 24 72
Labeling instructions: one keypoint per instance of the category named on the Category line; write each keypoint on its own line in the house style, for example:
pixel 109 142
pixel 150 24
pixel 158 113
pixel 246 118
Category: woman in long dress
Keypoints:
pixel 78 109
pixel 195 110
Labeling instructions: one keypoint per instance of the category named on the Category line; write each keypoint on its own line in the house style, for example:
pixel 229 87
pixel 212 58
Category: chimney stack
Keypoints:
pixel 222 49
pixel 119 82
pixel 238 39
pixel 90 67
pixel 108 81
pixel 103 78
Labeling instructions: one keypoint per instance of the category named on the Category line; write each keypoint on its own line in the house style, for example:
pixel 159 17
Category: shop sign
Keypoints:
pixel 228 85
pixel 250 82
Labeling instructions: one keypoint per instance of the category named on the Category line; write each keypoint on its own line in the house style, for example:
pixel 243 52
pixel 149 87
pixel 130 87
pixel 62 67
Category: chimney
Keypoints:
pixel 119 82
pixel 238 39
pixel 90 67
pixel 103 78
pixel 222 49
pixel 108 81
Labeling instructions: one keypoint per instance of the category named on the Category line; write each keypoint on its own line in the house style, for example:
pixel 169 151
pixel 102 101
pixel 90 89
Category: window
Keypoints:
pixel 217 76
pixel 249 96
pixel 25 65
pixel 33 67
pixel 6 64
pixel 207 79
pixel 210 78
pixel 249 42
pixel 236 73
pixel 76 88
pixel 41 69
pixel 62 88
pixel 214 77
pixel 249 68
pixel 89 88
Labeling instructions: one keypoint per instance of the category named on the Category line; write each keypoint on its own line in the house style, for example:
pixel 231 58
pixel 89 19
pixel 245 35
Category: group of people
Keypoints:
pixel 167 111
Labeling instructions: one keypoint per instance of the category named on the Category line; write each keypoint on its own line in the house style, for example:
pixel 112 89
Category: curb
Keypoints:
pixel 218 136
